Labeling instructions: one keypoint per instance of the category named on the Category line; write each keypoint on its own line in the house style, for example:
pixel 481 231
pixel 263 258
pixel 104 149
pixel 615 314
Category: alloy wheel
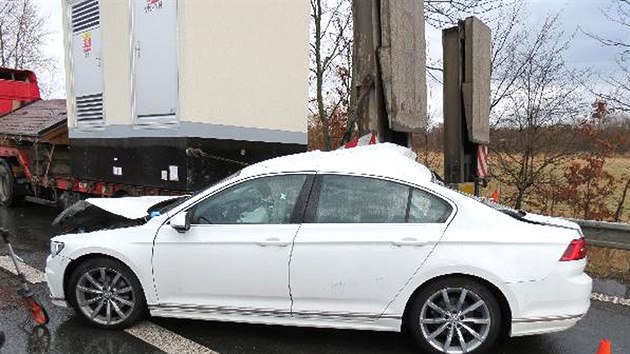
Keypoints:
pixel 105 296
pixel 455 320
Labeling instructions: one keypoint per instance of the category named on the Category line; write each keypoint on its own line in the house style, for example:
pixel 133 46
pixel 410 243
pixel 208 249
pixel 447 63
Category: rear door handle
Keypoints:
pixel 409 241
pixel 273 241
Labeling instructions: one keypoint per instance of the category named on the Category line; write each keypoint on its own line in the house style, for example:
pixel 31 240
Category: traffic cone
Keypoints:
pixel 604 347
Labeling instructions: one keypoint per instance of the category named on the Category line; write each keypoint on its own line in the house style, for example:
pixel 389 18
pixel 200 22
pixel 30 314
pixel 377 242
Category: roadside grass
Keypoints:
pixel 618 166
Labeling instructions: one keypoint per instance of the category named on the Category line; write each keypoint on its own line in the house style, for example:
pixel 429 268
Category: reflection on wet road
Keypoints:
pixel 66 334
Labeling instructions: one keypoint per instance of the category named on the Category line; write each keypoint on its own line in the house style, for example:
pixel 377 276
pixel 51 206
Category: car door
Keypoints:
pixel 362 239
pixel 234 257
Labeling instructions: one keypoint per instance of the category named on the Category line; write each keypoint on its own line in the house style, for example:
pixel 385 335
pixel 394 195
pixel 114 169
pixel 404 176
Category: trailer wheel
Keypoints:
pixel 7 185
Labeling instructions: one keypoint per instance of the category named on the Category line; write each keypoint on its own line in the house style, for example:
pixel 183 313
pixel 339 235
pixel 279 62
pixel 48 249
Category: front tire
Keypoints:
pixel 106 294
pixel 455 315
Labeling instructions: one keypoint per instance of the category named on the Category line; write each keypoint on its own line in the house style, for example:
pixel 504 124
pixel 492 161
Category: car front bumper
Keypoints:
pixel 55 269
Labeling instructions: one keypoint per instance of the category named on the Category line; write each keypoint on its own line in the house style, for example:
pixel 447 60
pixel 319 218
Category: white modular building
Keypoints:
pixel 179 93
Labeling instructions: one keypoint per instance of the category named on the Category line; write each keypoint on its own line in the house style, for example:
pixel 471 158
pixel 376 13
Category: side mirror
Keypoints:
pixel 181 222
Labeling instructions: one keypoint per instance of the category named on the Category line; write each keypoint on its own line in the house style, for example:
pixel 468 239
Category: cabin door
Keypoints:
pixel 154 50
pixel 87 65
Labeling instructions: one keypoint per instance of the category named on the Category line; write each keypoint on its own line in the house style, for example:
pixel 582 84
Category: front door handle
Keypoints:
pixel 273 241
pixel 409 241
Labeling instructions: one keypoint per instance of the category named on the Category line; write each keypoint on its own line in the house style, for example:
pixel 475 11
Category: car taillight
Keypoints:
pixel 575 251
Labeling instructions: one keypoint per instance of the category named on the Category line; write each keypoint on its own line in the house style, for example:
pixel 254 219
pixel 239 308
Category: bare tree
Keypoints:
pixel 510 58
pixel 439 13
pixel 619 96
pixel 331 24
pixel 533 123
pixel 507 34
pixel 23 35
pixel 622 199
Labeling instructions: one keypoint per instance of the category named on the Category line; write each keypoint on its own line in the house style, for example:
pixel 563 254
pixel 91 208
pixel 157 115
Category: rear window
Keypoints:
pixel 356 199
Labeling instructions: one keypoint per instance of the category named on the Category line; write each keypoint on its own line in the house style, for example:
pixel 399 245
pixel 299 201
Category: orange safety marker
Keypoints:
pixel 495 196
pixel 604 347
pixel 40 317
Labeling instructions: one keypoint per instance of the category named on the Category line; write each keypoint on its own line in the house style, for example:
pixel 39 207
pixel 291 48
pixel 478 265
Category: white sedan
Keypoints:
pixel 363 238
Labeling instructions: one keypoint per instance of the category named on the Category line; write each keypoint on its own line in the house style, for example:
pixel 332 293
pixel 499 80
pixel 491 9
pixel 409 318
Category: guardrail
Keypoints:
pixel 606 234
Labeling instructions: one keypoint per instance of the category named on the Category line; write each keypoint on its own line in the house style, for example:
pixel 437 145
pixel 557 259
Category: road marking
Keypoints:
pixel 610 299
pixel 161 338
pixel 32 275
pixel 166 340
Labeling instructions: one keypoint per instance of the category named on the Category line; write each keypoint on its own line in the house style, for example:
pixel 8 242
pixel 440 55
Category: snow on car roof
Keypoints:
pixel 386 160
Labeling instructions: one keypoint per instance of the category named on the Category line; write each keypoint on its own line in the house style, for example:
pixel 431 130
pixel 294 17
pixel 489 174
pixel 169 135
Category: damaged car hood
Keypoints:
pixel 106 213
pixel 129 207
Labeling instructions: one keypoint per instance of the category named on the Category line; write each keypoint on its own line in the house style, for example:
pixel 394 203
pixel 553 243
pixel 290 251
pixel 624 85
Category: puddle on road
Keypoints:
pixel 30 224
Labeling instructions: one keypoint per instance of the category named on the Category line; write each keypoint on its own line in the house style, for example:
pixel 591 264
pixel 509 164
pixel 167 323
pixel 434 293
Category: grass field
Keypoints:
pixel 617 166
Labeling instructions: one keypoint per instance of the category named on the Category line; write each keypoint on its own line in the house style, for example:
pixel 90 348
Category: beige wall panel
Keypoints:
pixel 244 63
pixel 115 19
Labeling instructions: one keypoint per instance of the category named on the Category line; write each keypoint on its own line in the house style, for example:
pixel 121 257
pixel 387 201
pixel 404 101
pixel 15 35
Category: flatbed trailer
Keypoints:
pixel 35 160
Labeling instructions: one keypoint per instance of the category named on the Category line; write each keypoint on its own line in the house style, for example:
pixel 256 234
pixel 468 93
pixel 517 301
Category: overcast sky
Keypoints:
pixel 584 52
pixel 54 48
pixel 587 14
pixel 576 17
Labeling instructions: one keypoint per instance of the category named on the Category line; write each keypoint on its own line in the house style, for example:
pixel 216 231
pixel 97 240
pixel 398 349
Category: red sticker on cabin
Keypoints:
pixel 87 43
pixel 153 5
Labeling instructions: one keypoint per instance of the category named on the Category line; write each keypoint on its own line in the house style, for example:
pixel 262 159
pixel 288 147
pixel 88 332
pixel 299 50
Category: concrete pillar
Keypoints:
pixel 466 53
pixel 390 57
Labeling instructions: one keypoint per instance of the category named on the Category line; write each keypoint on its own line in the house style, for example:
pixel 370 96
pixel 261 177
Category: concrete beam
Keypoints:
pixel 476 85
pixel 454 134
pixel 402 59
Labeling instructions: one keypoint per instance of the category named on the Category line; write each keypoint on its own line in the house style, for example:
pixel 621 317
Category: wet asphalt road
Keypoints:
pixel 66 334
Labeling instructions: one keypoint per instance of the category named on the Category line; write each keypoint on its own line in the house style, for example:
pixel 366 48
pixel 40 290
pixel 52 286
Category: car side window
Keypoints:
pixel 427 208
pixel 354 199
pixel 357 199
pixel 266 200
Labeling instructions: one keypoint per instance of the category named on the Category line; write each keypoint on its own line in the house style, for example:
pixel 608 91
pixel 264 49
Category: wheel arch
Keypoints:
pixel 504 304
pixel 72 266
pixel 12 163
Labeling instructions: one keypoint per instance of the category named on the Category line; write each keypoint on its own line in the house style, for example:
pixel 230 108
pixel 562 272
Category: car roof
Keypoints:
pixel 385 160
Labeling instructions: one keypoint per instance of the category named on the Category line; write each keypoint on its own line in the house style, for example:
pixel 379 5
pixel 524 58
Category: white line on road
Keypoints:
pixel 32 275
pixel 161 338
pixel 610 299
pixel 166 340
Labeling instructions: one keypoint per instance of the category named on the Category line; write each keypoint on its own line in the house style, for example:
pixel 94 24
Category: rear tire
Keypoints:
pixel 106 294
pixel 455 315
pixel 7 185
